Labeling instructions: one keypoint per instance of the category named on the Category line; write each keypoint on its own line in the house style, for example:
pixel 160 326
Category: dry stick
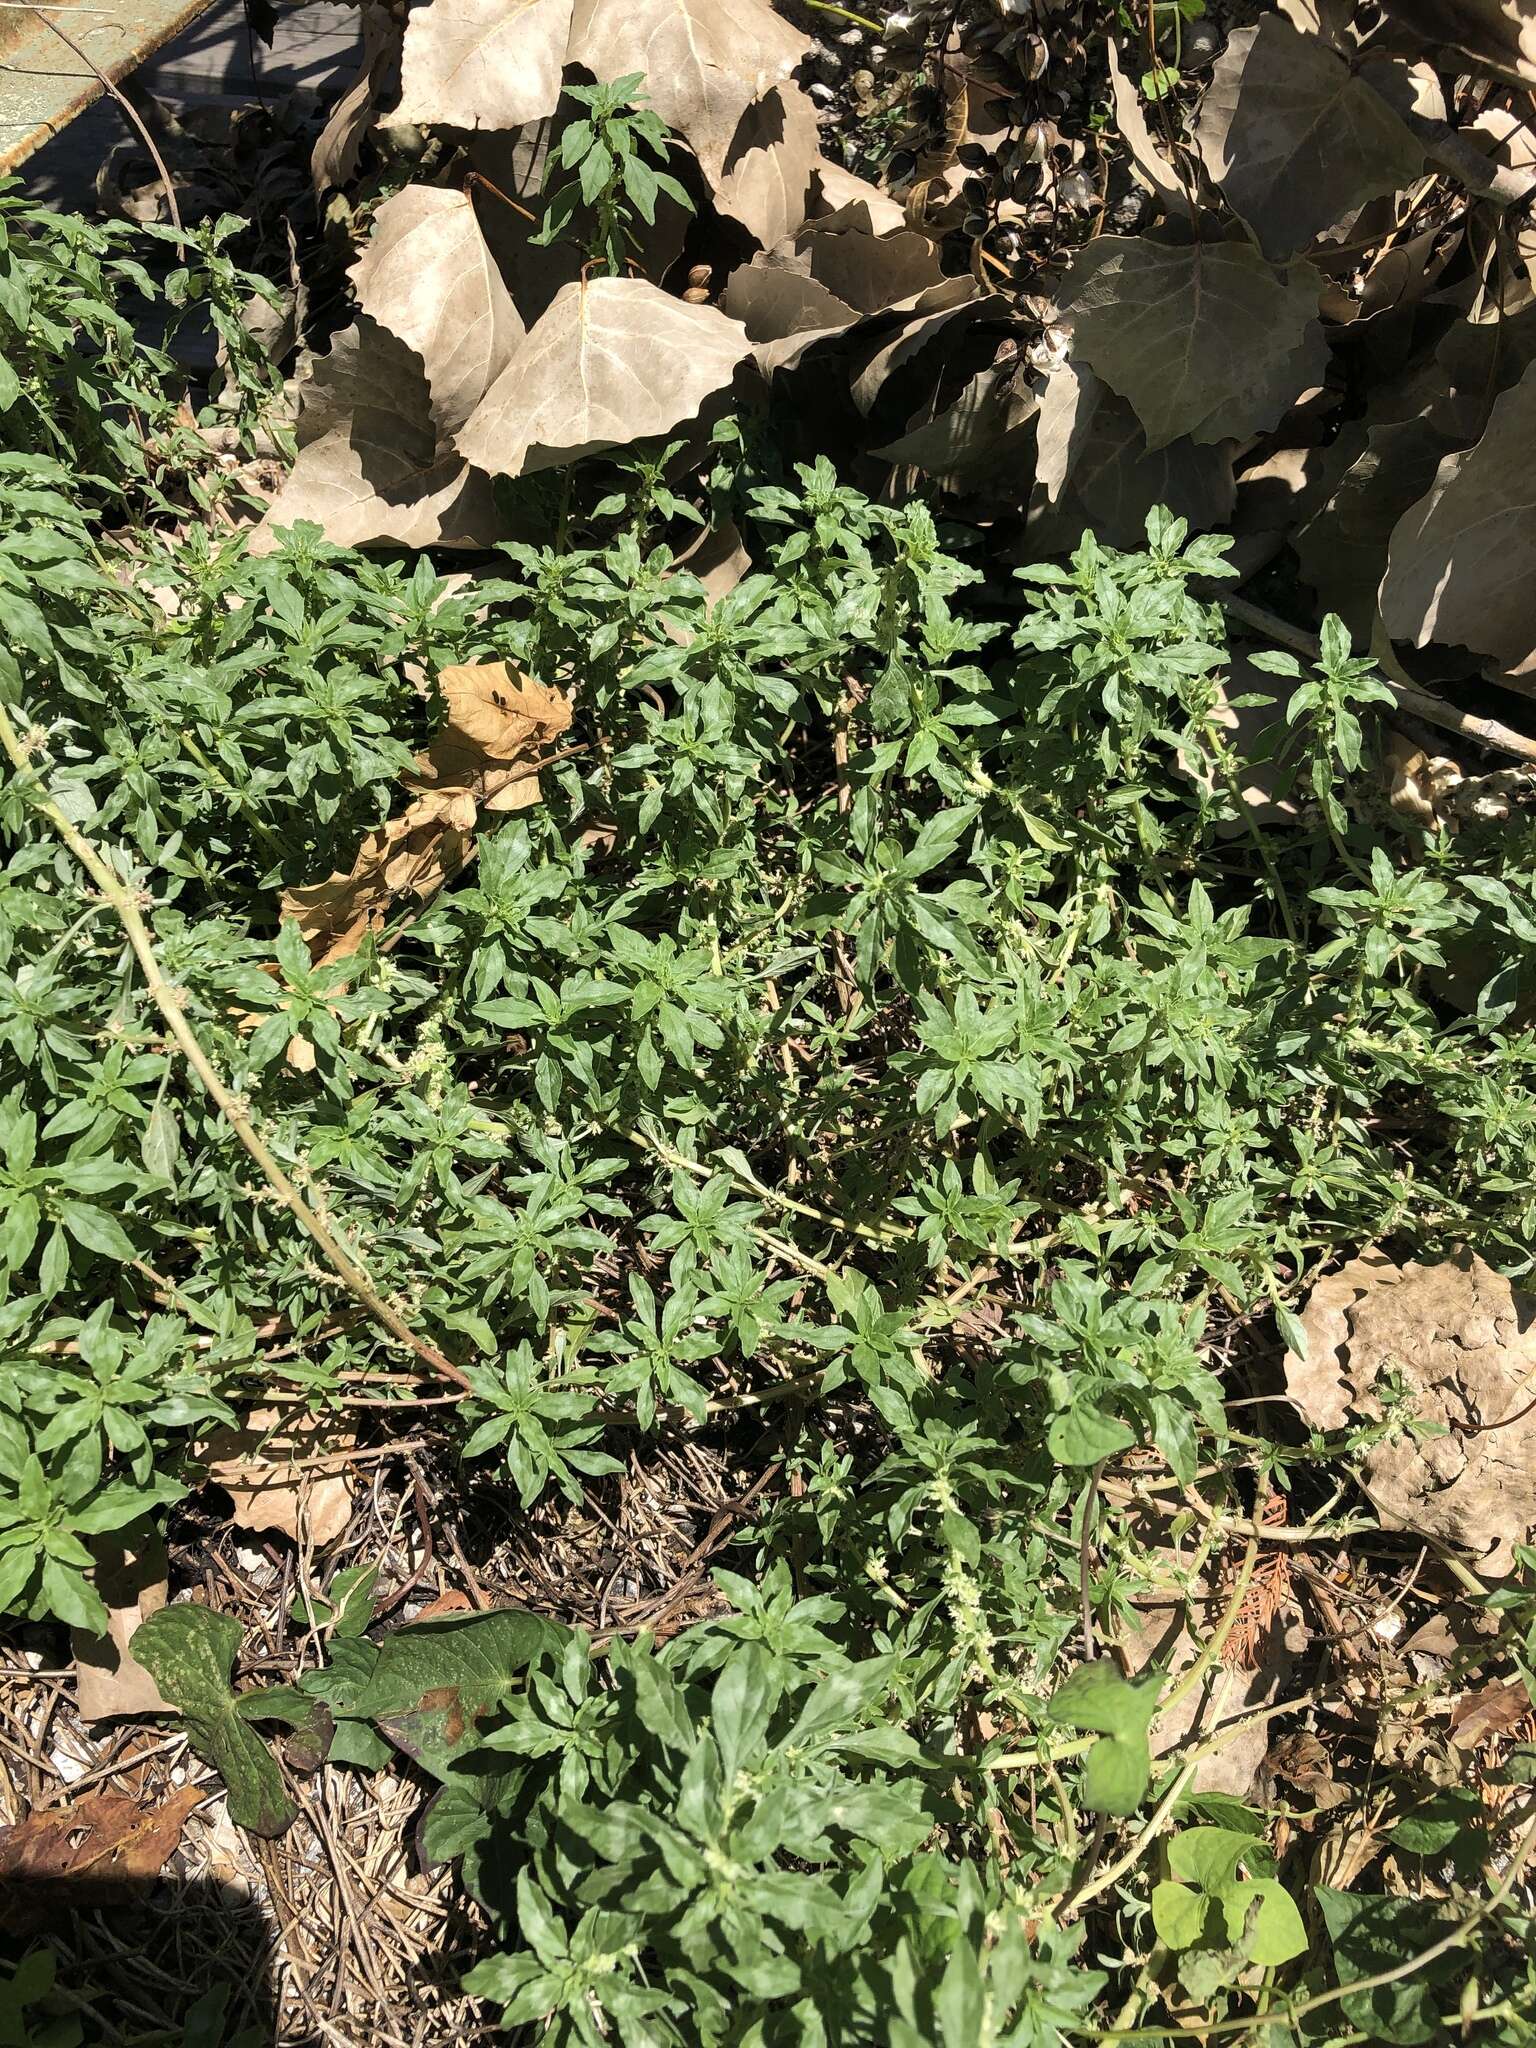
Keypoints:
pixel 129 109
pixel 141 939
pixel 1433 710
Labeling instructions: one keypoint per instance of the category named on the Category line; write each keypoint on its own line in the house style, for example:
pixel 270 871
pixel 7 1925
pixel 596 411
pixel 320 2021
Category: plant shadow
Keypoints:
pixel 164 1963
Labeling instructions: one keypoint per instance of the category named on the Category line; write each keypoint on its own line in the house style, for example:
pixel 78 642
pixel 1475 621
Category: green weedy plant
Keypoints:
pixel 883 954
pixel 607 167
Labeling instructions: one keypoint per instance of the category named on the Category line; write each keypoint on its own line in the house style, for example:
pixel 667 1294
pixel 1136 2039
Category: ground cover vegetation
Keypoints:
pixel 748 967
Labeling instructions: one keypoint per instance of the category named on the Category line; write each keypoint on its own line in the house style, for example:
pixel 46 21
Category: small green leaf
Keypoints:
pixel 1178 1913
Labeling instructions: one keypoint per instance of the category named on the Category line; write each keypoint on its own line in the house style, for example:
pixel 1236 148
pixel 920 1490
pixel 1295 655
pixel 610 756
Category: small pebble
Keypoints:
pixel 1201 45
pixel 823 95
pixel 851 38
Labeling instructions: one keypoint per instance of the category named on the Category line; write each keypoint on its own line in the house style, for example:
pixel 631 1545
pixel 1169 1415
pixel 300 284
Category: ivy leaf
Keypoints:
pixel 1206 340
pixel 1370 1934
pixel 432 1685
pixel 190 1652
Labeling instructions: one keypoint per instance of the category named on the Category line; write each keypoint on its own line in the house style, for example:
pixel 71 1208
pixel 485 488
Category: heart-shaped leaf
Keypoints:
pixel 190 1653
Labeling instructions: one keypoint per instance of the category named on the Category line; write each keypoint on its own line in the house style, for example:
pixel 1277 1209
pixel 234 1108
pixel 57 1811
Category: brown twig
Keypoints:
pixel 166 999
pixel 1433 710
pixel 129 109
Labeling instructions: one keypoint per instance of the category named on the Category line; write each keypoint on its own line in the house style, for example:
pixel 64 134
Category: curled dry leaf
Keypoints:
pixel 774 296
pixel 1458 564
pixel 1493 1710
pixel 334 159
pixel 613 360
pixel 869 272
pixel 842 200
pixel 765 181
pixel 130 1576
pixel 1295 136
pixel 957 298
pixel 484 63
pixel 428 278
pixel 92 1852
pixel 1461 1340
pixel 370 466
pixel 704 61
pixel 498 723
pixel 282 1472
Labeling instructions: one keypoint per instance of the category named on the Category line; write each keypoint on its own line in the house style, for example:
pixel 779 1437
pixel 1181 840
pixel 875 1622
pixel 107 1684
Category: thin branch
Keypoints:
pixel 129 109
pixel 166 999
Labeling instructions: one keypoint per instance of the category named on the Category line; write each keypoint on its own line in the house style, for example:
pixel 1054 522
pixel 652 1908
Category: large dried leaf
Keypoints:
pixel 704 61
pixel 1342 549
pixel 765 182
pixel 612 361
pixel 428 277
pixel 282 1472
pixel 1462 1341
pixel 1493 35
pixel 1115 480
pixel 1459 562
pixel 841 199
pixel 1295 138
pixel 980 437
pixel 370 467
pixel 497 726
pixel 1205 340
pixel 99 1850
pixel 775 296
pixel 1068 399
pixel 130 1576
pixel 870 272
pixel 485 63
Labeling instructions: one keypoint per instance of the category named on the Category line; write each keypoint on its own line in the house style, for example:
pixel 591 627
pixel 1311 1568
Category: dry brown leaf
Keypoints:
pixel 370 466
pixel 271 1470
pixel 1493 35
pixel 869 272
pixel 1115 480
pixel 1295 136
pixel 613 360
pixel 1207 339
pixel 704 61
pixel 484 63
pixel 498 724
pixel 1458 563
pixel 1492 1710
pixel 1158 1631
pixel 958 298
pixel 130 1576
pixel 1461 1340
pixel 427 277
pixel 983 434
pixel 92 1852
pixel 842 200
pixel 718 557
pixel 775 296
pixel 1342 548
pixel 1302 1761
pixel 335 156
pixel 765 182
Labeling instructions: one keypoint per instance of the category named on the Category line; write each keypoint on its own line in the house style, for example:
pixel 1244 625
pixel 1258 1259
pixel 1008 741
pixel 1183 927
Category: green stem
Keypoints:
pixel 846 14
